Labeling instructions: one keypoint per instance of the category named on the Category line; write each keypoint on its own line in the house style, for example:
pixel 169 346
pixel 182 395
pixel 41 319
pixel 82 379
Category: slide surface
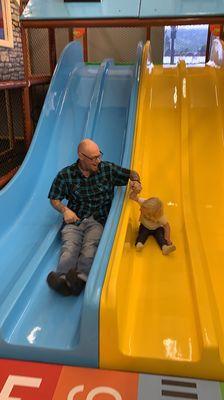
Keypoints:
pixel 35 322
pixel 166 313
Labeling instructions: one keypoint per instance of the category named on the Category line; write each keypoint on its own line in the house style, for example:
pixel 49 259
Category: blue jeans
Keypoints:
pixel 79 246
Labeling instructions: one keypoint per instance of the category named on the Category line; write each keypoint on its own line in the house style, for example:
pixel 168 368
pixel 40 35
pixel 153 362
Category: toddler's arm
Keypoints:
pixel 133 196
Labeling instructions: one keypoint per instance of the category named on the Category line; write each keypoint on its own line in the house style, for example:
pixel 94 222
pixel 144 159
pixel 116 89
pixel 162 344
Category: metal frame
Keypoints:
pixel 121 22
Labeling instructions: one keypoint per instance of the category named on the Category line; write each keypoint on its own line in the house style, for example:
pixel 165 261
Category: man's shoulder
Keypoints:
pixel 68 170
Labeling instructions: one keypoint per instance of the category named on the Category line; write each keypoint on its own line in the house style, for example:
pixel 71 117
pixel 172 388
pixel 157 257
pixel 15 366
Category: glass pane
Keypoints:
pixel 186 43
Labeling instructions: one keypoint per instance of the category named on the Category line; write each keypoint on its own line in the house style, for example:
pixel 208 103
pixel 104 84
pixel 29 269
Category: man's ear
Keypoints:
pixel 80 155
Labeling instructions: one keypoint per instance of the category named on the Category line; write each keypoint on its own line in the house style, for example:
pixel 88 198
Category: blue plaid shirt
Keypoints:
pixel 92 195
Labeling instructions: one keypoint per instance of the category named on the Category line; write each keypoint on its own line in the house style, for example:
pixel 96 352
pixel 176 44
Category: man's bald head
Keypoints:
pixel 89 155
pixel 88 147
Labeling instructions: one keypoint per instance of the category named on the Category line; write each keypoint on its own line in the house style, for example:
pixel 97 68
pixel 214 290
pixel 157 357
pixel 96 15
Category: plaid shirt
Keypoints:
pixel 92 195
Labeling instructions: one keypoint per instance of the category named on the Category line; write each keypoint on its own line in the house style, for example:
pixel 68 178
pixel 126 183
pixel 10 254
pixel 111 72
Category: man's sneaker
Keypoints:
pixel 168 248
pixel 139 246
pixel 75 283
pixel 58 283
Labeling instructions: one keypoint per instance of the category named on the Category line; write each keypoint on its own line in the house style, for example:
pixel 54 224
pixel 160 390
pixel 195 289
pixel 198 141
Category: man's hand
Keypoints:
pixel 135 186
pixel 70 216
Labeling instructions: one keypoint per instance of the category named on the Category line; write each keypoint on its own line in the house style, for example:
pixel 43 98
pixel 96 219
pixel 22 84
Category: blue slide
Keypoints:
pixel 83 101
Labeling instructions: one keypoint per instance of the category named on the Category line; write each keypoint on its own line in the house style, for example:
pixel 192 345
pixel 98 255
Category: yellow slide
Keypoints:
pixel 165 314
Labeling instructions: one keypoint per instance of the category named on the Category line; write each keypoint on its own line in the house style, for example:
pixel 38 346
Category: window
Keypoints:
pixel 185 42
pixel 6 36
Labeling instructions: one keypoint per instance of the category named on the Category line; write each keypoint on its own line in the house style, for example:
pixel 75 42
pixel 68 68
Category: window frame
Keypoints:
pixel 7 24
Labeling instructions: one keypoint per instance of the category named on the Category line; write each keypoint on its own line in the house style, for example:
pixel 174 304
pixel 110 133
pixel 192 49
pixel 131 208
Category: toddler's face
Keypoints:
pixel 145 212
pixel 148 215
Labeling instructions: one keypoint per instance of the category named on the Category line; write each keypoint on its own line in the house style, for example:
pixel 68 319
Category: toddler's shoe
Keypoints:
pixel 139 246
pixel 168 248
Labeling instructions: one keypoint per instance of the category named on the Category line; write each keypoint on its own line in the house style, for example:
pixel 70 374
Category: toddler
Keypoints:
pixel 153 222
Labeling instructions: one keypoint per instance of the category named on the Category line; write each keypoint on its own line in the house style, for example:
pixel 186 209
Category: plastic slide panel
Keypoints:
pixel 35 322
pixel 166 312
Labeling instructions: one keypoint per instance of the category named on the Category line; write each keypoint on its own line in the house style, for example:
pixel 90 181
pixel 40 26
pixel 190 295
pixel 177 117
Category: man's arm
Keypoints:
pixel 58 205
pixel 59 191
pixel 68 215
pixel 122 175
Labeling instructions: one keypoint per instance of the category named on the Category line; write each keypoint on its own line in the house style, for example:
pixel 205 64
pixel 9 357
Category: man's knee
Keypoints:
pixel 71 235
pixel 94 232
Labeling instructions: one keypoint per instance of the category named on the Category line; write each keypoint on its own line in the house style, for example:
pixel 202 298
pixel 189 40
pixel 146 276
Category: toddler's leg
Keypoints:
pixel 162 242
pixel 143 234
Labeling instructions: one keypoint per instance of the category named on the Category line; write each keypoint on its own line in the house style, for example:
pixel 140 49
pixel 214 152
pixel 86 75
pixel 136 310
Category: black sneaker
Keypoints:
pixel 76 284
pixel 58 283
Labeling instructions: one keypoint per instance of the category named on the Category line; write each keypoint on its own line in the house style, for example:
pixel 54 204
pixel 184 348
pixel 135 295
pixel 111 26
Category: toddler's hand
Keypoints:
pixel 133 195
pixel 135 186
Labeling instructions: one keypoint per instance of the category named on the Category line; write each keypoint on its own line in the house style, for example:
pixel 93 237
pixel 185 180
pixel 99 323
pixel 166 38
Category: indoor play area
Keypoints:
pixel 143 79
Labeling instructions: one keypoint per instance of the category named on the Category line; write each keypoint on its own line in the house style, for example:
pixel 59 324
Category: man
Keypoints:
pixel 88 185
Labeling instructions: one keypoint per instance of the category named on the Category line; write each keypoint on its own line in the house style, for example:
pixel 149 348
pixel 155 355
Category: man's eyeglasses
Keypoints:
pixel 96 158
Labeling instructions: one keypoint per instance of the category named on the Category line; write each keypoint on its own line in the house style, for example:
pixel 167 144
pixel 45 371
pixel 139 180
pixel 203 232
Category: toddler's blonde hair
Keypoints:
pixel 154 207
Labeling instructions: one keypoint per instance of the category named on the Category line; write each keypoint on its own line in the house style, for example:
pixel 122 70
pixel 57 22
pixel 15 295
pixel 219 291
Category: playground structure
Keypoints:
pixel 156 315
